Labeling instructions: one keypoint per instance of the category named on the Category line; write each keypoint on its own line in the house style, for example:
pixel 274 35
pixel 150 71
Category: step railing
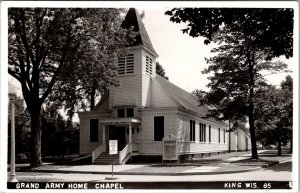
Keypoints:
pixel 98 151
pixel 123 154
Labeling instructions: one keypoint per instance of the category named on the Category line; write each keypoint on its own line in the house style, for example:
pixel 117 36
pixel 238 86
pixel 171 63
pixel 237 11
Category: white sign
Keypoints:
pixel 113 147
pixel 170 149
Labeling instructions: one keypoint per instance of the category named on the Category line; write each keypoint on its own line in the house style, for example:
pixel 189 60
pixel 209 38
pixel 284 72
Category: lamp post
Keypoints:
pixel 12 97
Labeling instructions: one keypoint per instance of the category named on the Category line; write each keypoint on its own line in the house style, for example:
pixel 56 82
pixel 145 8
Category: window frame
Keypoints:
pixel 219 135
pixel 192 130
pixel 209 133
pixel 202 132
pixel 224 136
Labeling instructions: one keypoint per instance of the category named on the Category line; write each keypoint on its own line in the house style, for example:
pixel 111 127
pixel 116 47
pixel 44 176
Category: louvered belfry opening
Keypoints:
pixel 126 64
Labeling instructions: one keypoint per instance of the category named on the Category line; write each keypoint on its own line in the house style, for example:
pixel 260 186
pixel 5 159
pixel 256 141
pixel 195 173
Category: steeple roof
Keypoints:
pixel 133 19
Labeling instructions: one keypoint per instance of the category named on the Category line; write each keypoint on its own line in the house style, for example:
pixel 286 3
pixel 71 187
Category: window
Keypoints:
pixel 126 64
pixel 94 130
pixel 224 135
pixel 159 128
pixel 202 132
pixel 209 133
pixel 192 130
pixel 219 134
pixel 148 65
pixel 121 113
pixel 130 112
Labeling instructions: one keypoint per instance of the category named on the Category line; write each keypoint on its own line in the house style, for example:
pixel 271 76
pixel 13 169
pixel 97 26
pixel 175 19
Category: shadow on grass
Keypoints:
pixel 286 166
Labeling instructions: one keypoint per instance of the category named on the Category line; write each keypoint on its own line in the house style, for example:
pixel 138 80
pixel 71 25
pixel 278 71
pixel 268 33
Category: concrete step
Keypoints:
pixel 106 159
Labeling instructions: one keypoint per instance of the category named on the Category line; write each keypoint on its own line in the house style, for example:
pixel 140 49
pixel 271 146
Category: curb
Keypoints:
pixel 143 173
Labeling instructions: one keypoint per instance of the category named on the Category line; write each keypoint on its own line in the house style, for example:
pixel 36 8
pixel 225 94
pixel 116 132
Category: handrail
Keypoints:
pixel 100 149
pixel 122 154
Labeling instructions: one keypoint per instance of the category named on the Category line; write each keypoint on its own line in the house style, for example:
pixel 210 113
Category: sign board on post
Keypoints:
pixel 113 147
pixel 170 149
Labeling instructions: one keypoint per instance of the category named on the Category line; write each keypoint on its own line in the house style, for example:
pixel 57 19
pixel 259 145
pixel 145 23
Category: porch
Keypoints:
pixel 119 129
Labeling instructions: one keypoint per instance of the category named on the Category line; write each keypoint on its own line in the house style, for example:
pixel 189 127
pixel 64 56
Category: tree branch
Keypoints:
pixel 65 50
pixel 24 38
pixel 14 74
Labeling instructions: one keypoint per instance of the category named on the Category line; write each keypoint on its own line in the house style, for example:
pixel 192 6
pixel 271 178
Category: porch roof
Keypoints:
pixel 126 120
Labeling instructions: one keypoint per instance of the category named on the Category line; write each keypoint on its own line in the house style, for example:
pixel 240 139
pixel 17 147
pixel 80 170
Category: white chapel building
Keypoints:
pixel 145 108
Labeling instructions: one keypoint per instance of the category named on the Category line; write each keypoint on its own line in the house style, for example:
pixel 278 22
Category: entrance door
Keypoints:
pixel 117 133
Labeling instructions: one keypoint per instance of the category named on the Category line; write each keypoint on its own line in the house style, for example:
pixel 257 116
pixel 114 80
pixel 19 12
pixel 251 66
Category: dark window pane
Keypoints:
pixel 159 128
pixel 121 113
pixel 130 112
pixel 192 130
pixel 94 130
pixel 209 133
pixel 219 135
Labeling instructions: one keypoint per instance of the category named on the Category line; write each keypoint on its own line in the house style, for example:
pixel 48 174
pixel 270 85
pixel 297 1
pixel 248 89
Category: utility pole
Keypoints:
pixel 12 97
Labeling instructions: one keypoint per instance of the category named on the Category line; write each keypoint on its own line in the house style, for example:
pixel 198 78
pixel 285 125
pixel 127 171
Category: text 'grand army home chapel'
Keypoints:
pixel 145 108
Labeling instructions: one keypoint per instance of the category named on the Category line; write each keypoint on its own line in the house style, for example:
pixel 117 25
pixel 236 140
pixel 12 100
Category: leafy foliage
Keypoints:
pixel 274 114
pixel 62 56
pixel 248 40
pixel 59 137
pixel 161 71
pixel 272 28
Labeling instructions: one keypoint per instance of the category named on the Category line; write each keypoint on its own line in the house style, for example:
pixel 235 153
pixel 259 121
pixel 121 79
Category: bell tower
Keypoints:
pixel 136 69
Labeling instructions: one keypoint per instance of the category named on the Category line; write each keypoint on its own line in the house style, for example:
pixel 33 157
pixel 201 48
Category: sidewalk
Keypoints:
pixel 235 162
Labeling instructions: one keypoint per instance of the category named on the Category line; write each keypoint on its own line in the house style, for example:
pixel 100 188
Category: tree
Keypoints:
pixel 246 39
pixel 59 137
pixel 287 87
pixel 161 71
pixel 54 49
pixel 266 24
pixel 274 108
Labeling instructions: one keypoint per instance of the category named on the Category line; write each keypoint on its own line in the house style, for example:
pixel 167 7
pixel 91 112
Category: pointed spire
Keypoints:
pixel 133 19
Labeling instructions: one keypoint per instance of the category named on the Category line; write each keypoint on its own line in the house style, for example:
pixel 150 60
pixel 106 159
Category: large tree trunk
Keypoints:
pixel 251 111
pixel 252 132
pixel 279 148
pixel 35 141
pixel 93 95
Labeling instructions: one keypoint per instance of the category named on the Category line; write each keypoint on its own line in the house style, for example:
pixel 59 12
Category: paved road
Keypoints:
pixel 279 172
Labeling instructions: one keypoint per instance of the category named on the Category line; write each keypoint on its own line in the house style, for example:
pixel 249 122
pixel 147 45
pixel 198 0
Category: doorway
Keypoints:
pixel 118 133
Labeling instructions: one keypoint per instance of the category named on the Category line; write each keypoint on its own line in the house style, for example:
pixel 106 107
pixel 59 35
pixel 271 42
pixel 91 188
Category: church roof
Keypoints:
pixel 186 100
pixel 133 19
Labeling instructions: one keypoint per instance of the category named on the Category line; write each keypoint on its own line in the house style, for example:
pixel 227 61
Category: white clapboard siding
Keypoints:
pixel 146 91
pixel 233 141
pixel 195 147
pixel 86 147
pixel 149 145
pixel 183 132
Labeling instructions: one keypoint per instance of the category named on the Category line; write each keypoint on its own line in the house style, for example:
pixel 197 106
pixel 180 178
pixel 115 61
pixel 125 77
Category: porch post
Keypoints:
pixel 130 133
pixel 103 133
